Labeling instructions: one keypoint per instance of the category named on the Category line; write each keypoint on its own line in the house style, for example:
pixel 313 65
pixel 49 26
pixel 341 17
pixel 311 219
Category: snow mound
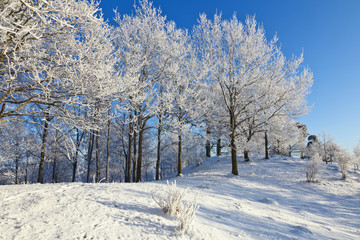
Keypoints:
pixel 270 199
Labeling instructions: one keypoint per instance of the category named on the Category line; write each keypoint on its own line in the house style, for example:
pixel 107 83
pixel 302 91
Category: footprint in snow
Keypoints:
pixel 268 201
pixel 300 230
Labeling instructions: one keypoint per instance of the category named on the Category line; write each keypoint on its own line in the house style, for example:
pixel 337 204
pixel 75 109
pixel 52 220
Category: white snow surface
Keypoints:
pixel 270 199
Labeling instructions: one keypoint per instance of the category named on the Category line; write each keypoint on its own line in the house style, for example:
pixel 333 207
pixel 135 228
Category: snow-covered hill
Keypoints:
pixel 270 199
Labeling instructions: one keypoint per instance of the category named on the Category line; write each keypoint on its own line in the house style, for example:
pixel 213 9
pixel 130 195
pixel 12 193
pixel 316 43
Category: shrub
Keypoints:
pixel 313 167
pixel 171 202
pixel 343 158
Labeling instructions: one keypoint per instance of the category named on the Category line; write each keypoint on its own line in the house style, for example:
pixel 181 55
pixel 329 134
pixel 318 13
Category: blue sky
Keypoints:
pixel 327 31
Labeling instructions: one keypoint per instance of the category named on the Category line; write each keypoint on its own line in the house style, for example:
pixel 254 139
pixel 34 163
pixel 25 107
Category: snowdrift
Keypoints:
pixel 270 199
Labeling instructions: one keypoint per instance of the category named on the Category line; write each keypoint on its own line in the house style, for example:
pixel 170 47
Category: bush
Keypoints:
pixel 187 215
pixel 171 202
pixel 313 167
pixel 343 158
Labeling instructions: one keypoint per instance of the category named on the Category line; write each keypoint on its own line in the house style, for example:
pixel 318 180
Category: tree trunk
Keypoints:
pixel 16 170
pixel 266 146
pixel 218 147
pixel 89 156
pixel 128 161
pixel 179 151
pixel 208 144
pixel 134 158
pixel 108 150
pixel 158 159
pixel 233 145
pixel 140 154
pixel 26 169
pixel 54 173
pixel 290 150
pixel 43 147
pixel 74 171
pixel 97 158
pixel 75 162
pixel 246 156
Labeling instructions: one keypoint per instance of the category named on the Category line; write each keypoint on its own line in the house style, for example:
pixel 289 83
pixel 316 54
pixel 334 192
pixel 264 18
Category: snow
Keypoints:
pixel 270 199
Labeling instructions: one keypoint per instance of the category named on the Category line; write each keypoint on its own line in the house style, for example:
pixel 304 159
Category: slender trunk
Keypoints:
pixel 54 173
pixel 179 151
pixel 128 161
pixel 97 158
pixel 218 147
pixel 266 146
pixel 246 151
pixel 108 150
pixel 26 169
pixel 16 170
pixel 158 159
pixel 89 156
pixel 208 144
pixel 134 158
pixel 246 156
pixel 43 147
pixel 140 154
pixel 290 150
pixel 233 145
pixel 74 171
pixel 75 162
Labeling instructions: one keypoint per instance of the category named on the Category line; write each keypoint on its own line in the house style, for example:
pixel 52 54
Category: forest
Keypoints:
pixel 85 101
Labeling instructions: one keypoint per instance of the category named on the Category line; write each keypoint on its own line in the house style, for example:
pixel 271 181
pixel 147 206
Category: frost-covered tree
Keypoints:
pixel 245 65
pixel 39 52
pixel 282 134
pixel 357 156
pixel 343 158
pixel 146 45
pixel 312 167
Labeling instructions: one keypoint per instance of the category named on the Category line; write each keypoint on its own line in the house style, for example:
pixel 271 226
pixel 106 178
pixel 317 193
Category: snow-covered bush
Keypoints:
pixel 186 215
pixel 343 158
pixel 313 167
pixel 171 202
pixel 356 160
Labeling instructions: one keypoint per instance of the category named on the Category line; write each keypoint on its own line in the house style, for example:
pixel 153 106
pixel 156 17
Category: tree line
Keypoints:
pixel 82 100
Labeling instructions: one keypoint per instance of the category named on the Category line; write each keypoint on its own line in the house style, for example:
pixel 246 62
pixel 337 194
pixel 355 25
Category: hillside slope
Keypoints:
pixel 270 199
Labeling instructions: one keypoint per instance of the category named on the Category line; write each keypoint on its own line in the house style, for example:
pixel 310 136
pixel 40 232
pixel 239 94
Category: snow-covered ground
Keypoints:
pixel 270 199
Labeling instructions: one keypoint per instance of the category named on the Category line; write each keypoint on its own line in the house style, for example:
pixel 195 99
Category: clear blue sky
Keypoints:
pixel 327 31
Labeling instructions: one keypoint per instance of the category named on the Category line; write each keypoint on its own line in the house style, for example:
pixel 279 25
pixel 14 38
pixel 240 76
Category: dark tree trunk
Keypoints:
pixel 108 150
pixel 246 151
pixel 179 151
pixel 158 159
pixel 266 146
pixel 43 148
pixel 16 170
pixel 134 158
pixel 233 145
pixel 140 155
pixel 75 162
pixel 290 150
pixel 74 171
pixel 246 156
pixel 97 158
pixel 128 161
pixel 208 144
pixel 89 155
pixel 218 147
pixel 26 168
